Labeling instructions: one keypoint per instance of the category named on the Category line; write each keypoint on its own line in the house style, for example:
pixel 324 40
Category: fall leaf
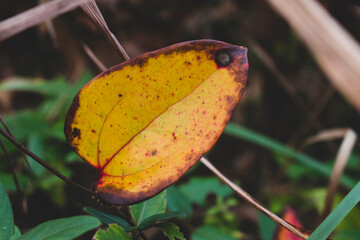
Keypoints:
pixel 145 122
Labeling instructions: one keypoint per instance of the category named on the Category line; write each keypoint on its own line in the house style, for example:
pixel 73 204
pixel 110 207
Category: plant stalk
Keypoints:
pixel 251 200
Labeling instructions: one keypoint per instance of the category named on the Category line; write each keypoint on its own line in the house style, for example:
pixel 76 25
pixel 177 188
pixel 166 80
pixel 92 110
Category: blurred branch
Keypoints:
pixel 335 50
pixel 43 163
pixel 285 83
pixel 36 15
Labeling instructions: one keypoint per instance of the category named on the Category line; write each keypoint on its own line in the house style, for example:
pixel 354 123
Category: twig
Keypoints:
pixel 35 16
pixel 44 164
pixel 251 200
pixel 10 133
pixel 93 57
pixel 92 10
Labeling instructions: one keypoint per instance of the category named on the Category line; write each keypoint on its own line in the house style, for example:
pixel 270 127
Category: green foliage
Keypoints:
pixel 108 218
pixel 309 162
pixel 113 232
pixel 267 226
pixel 6 216
pixel 170 230
pixel 209 232
pixel 16 235
pixel 177 201
pixel 198 188
pixel 148 208
pixel 59 229
pixel 336 216
pixel 41 130
pixel 62 228
pixel 150 221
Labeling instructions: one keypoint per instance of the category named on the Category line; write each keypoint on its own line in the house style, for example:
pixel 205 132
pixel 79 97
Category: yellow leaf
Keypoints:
pixel 145 122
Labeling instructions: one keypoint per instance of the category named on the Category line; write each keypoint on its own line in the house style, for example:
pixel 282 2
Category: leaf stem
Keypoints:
pixel 251 200
pixel 44 164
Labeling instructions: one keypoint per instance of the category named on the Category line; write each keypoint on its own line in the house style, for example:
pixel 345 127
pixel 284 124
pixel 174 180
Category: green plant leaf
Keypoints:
pixel 113 232
pixel 62 228
pixel 177 201
pixel 148 222
pixel 36 145
pixel 7 180
pixel 108 218
pixel 145 209
pixel 311 163
pixel 7 227
pixel 337 215
pixel 267 226
pixel 209 232
pixel 170 230
pixel 55 87
pixel 198 188
pixel 16 235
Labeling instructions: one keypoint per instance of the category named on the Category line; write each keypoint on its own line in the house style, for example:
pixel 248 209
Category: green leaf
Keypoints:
pixel 16 235
pixel 62 229
pixel 148 222
pixel 36 145
pixel 54 87
pixel 198 188
pixel 309 162
pixel 267 226
pixel 7 227
pixel 108 218
pixel 170 230
pixel 337 215
pixel 209 232
pixel 152 206
pixel 177 201
pixel 114 232
pixel 7 180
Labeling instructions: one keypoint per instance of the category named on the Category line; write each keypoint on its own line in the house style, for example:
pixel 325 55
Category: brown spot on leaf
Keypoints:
pixel 153 152
pixel 76 133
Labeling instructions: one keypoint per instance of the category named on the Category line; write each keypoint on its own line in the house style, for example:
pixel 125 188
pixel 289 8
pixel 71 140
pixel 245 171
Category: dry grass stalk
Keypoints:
pixel 251 200
pixel 92 10
pixel 93 57
pixel 335 50
pixel 342 157
pixel 35 16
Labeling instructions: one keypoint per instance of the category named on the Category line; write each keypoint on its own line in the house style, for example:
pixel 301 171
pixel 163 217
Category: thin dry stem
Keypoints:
pixel 251 200
pixel 92 10
pixel 93 57
pixel 35 16
pixel 285 83
pixel 336 51
pixel 341 160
